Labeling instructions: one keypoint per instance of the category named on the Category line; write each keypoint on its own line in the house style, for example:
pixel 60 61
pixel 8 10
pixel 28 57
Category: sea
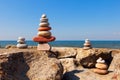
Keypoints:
pixel 70 43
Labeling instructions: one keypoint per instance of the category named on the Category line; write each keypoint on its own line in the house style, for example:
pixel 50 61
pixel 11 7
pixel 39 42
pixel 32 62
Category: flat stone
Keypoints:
pixel 44 47
pixel 99 71
pixel 44 24
pixel 86 48
pixel 22 46
pixel 44 33
pixel 44 28
pixel 101 66
pixel 43 39
pixel 21 41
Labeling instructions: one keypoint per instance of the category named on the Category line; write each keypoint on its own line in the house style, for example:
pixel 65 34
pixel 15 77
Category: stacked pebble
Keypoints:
pixel 87 44
pixel 44 35
pixel 21 43
pixel 44 27
pixel 101 67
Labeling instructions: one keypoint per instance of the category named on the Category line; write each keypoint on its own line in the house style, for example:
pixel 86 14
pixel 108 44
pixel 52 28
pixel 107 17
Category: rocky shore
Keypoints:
pixel 61 63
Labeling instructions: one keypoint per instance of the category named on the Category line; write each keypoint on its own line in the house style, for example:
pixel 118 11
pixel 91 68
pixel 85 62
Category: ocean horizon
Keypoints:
pixel 115 44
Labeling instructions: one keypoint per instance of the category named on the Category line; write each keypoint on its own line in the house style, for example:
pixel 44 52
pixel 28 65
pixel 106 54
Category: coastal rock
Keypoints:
pixel 69 64
pixel 10 46
pixel 64 52
pixel 29 65
pixel 87 58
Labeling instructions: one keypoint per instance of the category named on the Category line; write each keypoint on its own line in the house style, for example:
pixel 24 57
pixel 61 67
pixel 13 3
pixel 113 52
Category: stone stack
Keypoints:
pixel 87 44
pixel 21 43
pixel 101 67
pixel 44 35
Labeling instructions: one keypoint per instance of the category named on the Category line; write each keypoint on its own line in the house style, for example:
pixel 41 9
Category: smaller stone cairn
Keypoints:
pixel 21 43
pixel 101 67
pixel 87 44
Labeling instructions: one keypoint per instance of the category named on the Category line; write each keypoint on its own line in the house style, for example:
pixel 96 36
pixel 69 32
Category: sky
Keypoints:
pixel 69 19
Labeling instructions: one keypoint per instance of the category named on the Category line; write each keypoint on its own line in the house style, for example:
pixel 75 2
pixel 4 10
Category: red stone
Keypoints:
pixel 41 39
pixel 44 28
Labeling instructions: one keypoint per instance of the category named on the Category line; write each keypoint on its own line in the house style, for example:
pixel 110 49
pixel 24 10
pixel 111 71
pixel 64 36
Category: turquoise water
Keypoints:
pixel 95 44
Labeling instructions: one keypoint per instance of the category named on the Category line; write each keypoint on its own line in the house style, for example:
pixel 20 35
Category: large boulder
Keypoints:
pixel 69 64
pixel 87 58
pixel 29 65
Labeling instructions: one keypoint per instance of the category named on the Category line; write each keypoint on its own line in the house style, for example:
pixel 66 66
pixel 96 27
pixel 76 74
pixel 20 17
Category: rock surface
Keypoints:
pixel 46 65
pixel 29 65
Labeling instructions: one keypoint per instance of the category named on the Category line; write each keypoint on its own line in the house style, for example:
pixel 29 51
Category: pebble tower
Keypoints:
pixel 101 66
pixel 87 44
pixel 44 35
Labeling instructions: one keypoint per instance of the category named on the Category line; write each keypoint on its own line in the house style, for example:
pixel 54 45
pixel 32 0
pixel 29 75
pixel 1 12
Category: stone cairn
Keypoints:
pixel 101 67
pixel 21 43
pixel 87 44
pixel 44 35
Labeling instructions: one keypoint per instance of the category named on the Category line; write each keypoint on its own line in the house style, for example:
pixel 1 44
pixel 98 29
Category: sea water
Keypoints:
pixel 65 43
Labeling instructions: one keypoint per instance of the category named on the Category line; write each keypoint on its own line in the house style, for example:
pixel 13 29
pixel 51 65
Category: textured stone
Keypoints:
pixel 29 65
pixel 68 64
pixel 87 58
pixel 44 46
pixel 64 52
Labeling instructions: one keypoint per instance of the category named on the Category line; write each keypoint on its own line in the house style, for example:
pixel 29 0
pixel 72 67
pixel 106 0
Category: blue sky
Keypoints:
pixel 69 19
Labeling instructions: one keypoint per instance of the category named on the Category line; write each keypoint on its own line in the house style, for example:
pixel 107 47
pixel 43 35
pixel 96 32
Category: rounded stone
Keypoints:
pixel 44 16
pixel 43 20
pixel 21 41
pixel 44 39
pixel 86 48
pixel 100 60
pixel 21 38
pixel 22 46
pixel 44 28
pixel 101 66
pixel 44 33
pixel 99 71
pixel 87 45
pixel 44 24
pixel 44 47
